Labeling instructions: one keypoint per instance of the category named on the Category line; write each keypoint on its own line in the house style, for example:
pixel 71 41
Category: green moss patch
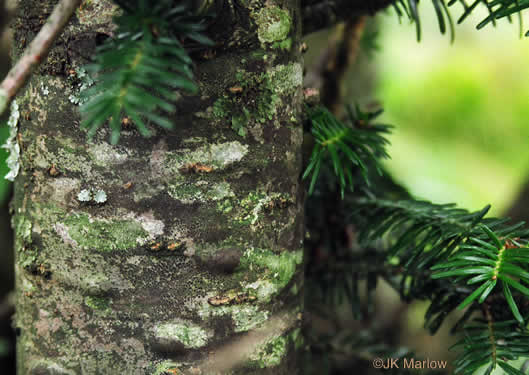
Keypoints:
pixel 97 303
pixel 275 270
pixel 273 24
pixel 271 353
pixel 104 235
pixel 255 102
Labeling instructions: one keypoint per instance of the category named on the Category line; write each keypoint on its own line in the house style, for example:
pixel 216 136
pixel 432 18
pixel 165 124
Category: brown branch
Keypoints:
pixel 238 350
pixel 320 14
pixel 327 74
pixel 492 338
pixel 36 51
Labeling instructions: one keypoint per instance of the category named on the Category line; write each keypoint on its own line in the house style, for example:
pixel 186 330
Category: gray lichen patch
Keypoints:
pixel 90 274
pixel 104 234
pixel 59 151
pixel 250 210
pixel 11 144
pixel 97 196
pixel 49 367
pixel 61 187
pixel 84 195
pixel 245 316
pixel 216 155
pixel 105 155
pixel 181 332
pixel 100 196
pixel 150 224
pixel 200 191
pixel 287 78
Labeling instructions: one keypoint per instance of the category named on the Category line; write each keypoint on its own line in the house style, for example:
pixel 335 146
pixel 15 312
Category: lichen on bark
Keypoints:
pixel 195 245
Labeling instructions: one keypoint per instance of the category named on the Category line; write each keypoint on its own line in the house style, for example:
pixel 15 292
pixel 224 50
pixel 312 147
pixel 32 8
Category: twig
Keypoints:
pixel 320 14
pixel 36 51
pixel 344 57
pixel 236 351
pixel 327 74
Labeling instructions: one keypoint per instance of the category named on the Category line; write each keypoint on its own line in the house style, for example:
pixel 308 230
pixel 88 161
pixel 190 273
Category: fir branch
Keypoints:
pixel 486 263
pixel 444 252
pixel 428 237
pixel 487 344
pixel 345 146
pixel 36 52
pixel 410 9
pixel 138 72
pixel 503 8
pixel 425 233
pixel 497 9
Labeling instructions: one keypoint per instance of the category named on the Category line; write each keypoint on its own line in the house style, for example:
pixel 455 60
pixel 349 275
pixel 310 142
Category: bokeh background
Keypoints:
pixel 461 110
pixel 461 117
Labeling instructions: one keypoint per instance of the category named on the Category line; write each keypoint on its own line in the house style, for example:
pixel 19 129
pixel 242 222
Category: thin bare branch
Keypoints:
pixel 36 51
pixel 236 351
pixel 327 74
pixel 320 14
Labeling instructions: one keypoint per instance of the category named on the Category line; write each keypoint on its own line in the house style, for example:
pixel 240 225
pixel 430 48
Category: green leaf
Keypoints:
pixel 511 302
pixel 492 236
pixel 514 270
pixel 509 369
pixel 463 272
pixel 487 291
pixel 474 295
pixel 514 284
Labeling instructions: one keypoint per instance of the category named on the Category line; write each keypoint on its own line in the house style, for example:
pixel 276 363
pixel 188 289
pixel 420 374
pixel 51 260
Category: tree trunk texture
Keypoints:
pixel 176 254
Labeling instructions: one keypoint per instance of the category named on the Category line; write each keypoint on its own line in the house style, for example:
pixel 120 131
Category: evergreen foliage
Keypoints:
pixel 138 71
pixel 487 344
pixel 454 258
pixel 497 9
pixel 345 143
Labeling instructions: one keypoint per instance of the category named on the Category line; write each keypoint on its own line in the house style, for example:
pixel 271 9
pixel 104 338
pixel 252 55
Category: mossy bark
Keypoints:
pixel 191 260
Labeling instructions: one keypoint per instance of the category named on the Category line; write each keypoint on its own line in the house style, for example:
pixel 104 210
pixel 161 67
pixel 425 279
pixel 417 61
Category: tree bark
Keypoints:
pixel 190 260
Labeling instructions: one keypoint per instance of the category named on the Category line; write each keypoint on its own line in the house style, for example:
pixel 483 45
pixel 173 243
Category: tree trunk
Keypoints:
pixel 181 253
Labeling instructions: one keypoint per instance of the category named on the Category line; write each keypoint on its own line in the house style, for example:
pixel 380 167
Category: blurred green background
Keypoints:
pixel 461 116
pixel 461 110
